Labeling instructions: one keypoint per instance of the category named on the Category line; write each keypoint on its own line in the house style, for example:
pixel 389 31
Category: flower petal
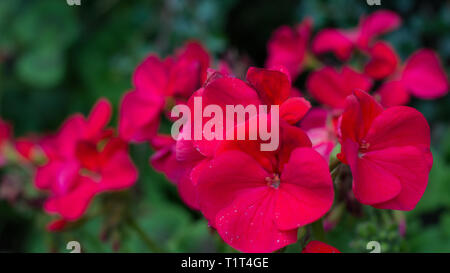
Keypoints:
pixel 358 116
pixel 118 171
pixel 372 183
pixel 294 109
pixel 383 61
pixel 287 47
pixel 273 86
pixel 222 92
pixel 332 88
pixel 227 175
pixel 189 71
pixel 410 166
pixel 335 41
pixel 247 224
pixel 399 126
pixel 72 205
pixel 306 190
pixel 139 116
pixel 71 131
pixel 393 93
pixel 151 77
pixel 424 76
pixel 376 24
pixel 98 118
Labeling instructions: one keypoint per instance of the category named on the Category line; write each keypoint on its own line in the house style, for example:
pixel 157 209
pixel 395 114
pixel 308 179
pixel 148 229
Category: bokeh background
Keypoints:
pixel 57 59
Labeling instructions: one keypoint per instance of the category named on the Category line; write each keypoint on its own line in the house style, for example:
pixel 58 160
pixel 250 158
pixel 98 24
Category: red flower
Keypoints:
pixel 332 88
pixel 422 76
pixel 179 161
pixel 383 59
pixel 288 47
pixel 5 136
pixel 183 160
pixel 264 87
pixel 83 160
pixel 388 152
pixel 257 200
pixel 342 42
pixel 319 247
pixel 158 83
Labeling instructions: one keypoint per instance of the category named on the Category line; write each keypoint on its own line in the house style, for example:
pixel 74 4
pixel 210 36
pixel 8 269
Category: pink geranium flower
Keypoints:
pixel 342 42
pixel 83 159
pixel 332 87
pixel 422 76
pixel 159 84
pixel 257 200
pixel 383 59
pixel 288 47
pixel 263 86
pixel 388 152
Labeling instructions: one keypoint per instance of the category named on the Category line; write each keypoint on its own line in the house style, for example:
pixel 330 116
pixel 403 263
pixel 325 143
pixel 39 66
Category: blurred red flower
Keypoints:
pixel 83 159
pixel 319 247
pixel 288 47
pixel 160 83
pixel 342 42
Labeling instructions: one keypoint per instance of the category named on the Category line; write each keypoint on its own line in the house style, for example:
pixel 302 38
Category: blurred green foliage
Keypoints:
pixel 57 59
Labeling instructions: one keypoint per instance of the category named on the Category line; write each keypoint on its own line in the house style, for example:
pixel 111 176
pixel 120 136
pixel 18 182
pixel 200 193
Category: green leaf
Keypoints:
pixel 42 67
pixel 46 23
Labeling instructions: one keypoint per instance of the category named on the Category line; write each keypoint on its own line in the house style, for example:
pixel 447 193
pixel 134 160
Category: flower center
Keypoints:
pixel 363 147
pixel 273 181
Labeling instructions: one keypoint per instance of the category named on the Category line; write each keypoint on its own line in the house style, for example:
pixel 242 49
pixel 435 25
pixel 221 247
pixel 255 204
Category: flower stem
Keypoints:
pixel 151 245
pixel 318 231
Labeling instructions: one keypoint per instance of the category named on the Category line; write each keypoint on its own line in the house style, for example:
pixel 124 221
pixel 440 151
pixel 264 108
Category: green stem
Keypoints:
pixel 334 164
pixel 318 231
pixel 152 246
pixel 311 62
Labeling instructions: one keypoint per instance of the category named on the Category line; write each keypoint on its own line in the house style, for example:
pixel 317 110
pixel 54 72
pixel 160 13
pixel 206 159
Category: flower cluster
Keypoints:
pixel 257 200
